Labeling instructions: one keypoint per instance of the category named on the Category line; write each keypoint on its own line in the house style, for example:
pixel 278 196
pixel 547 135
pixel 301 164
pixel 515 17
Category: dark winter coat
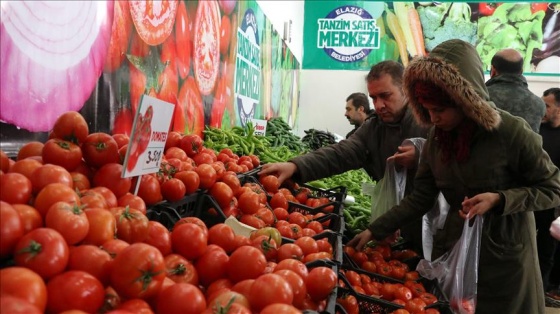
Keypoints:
pixel 511 93
pixel 505 157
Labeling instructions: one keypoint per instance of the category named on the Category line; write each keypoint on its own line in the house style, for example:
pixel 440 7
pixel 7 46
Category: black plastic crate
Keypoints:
pixel 368 304
pixel 330 308
pixel 335 194
pixel 168 213
pixel 208 210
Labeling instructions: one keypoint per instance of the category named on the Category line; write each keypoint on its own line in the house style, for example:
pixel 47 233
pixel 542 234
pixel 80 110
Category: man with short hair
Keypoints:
pixel 508 88
pixel 357 110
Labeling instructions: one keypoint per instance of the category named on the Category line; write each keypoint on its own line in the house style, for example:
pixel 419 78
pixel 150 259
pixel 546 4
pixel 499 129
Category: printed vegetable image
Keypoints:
pixel 120 36
pixel 52 54
pixel 153 20
pixel 447 20
pixel 206 47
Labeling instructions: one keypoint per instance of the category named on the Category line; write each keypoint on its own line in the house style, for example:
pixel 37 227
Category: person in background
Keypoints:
pixel 508 88
pixel 378 139
pixel 547 245
pixel 357 110
pixel 485 161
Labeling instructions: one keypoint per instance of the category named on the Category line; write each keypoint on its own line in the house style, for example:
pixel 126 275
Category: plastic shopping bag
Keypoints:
pixel 457 270
pixel 388 191
pixel 433 221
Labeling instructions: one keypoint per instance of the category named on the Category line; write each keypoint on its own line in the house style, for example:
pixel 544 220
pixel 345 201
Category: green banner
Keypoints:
pixel 353 35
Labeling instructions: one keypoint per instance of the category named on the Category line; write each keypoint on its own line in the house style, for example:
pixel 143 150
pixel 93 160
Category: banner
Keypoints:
pixel 353 35
pixel 220 63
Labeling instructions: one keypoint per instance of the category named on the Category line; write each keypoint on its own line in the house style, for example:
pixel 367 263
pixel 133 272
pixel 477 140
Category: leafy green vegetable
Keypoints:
pixel 446 21
pixel 512 25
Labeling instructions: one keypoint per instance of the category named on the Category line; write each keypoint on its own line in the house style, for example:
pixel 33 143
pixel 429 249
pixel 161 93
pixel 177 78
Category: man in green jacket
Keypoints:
pixel 485 162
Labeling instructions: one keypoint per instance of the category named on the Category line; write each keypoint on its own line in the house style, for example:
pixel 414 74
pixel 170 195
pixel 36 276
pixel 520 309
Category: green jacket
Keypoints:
pixel 505 157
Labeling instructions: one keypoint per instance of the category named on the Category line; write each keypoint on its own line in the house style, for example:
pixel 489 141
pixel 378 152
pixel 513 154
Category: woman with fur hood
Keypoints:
pixel 485 162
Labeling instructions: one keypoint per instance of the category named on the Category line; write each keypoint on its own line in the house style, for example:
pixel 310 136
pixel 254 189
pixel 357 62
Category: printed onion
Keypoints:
pixel 51 55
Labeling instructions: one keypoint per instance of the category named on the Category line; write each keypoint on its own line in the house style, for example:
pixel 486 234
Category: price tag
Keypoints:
pixel 149 134
pixel 260 126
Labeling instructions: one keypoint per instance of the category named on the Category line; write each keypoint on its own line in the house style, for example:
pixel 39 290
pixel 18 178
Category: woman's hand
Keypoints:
pixel 555 229
pixel 405 156
pixel 479 204
pixel 360 240
pixel 284 170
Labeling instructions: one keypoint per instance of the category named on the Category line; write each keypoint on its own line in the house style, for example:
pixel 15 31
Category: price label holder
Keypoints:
pixel 148 137
pixel 260 126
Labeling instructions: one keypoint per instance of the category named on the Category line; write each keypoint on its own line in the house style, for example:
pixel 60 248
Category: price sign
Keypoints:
pixel 149 134
pixel 260 126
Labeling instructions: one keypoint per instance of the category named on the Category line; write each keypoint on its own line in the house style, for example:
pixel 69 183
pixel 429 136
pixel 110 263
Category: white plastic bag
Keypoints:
pixel 433 221
pixel 457 270
pixel 388 191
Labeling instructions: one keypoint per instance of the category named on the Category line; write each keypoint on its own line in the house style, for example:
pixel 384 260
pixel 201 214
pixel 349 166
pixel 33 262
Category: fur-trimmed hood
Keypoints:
pixel 455 67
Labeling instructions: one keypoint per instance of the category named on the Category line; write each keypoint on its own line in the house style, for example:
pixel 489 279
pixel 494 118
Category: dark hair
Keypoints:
pixel 390 67
pixel 359 100
pixel 505 66
pixel 554 91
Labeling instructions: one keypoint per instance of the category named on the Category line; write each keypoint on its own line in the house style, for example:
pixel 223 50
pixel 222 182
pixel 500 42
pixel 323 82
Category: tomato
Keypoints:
pixel 349 303
pixel 225 34
pixel 190 179
pixel 279 200
pixel 159 237
pixel 182 36
pixel 16 188
pixel 172 299
pixel 62 153
pixel 100 148
pixel 428 298
pixel 52 193
pixel 29 149
pixel 206 46
pixel 189 240
pixel 4 162
pixel 193 220
pixel 320 282
pixel 16 305
pixel 102 225
pixel 266 245
pixel 121 139
pixel 307 244
pixel 25 166
pixel 226 298
pixel 296 283
pixel 138 271
pixel 207 175
pixel 487 8
pixel 91 259
pixel 23 283
pixel 249 202
pixel 114 246
pixel 173 190
pixel 49 173
pixel 222 193
pixel 403 293
pixel 71 126
pixel 270 184
pixel 415 305
pixel 134 306
pixel 223 236
pixel 69 220
pixel 81 182
pixel 74 290
pixel 134 201
pixel 30 217
pixel 132 225
pixel 149 189
pixel 120 36
pixel 289 250
pixel 431 311
pixel 107 194
pixel 153 20
pixel 109 176
pixel 180 270
pixel 538 6
pixel 245 262
pixel 269 289
pixel 42 250
pixel 192 144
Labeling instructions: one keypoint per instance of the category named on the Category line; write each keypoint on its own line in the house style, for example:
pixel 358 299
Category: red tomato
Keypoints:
pixel 279 200
pixel 134 201
pixel 4 162
pixel 91 199
pixel 149 190
pixel 30 217
pixel 180 270
pixel 349 303
pixel 62 153
pixel 225 34
pixel 206 46
pixel 270 184
pixel 52 193
pixel 487 8
pixel 173 190
pixel 135 306
pixel 120 36
pixel 15 305
pixel 23 283
pixel 132 225
pixel 428 298
pixel 245 262
pixel 223 236
pixel 25 166
pixel 159 237
pixel 29 149
pixel 193 220
pixel 289 250
pixel 110 176
pixel 49 173
pixel 222 193
pixel 207 175
pixel 172 299
pixel 536 7
pixel 190 179
pixel 320 282
pixel 138 271
pixel 191 144
pixel 109 196
pixel 190 102
pixel 99 149
pixel 249 202
pixel 71 126
pixel 74 290
pixel 91 259
pixel 212 265
pixel 81 182
pixel 42 250
pixel 114 247
pixel 296 283
pixel 232 181
pixel 189 240
pixel 69 220
pixel 102 225
pixel 153 20
pixel 16 188
pixel 415 305
pixel 269 289
pixel 294 265
pixel 184 43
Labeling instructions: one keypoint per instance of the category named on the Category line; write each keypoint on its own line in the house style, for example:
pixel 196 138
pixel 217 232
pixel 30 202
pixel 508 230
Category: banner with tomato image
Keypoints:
pixel 353 35
pixel 185 53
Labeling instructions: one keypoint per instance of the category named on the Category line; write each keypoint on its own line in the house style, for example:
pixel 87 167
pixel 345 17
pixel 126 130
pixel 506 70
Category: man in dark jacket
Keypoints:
pixel 508 88
pixel 357 110
pixel 378 139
